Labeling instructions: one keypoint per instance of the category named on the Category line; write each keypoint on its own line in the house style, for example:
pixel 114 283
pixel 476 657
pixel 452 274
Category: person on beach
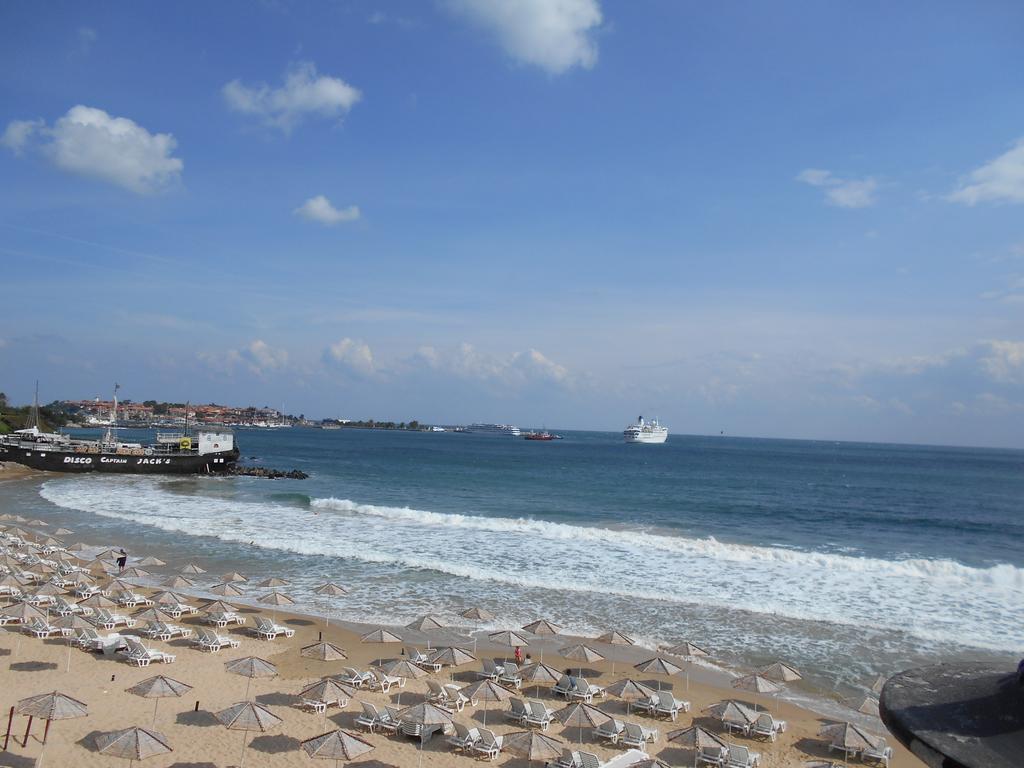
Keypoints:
pixel 122 560
pixel 519 655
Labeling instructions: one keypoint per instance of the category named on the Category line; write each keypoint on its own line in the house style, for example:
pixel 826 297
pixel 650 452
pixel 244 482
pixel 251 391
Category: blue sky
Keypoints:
pixel 797 220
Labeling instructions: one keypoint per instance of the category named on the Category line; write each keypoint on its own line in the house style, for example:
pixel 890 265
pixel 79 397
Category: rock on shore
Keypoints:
pixel 271 474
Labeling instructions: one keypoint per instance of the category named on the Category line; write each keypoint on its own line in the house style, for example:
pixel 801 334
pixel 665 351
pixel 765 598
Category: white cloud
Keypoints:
pixel 555 35
pixel 843 193
pixel 18 133
pixel 258 356
pixel 89 142
pixel 1000 180
pixel 516 370
pixel 1003 361
pixel 303 93
pixel 262 357
pixel 352 354
pixel 319 209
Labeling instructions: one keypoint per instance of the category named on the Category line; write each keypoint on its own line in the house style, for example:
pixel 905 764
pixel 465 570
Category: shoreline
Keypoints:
pixel 705 671
pixel 34 666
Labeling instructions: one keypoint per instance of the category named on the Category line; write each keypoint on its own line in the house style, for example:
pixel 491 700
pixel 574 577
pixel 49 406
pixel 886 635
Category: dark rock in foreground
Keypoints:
pixel 271 474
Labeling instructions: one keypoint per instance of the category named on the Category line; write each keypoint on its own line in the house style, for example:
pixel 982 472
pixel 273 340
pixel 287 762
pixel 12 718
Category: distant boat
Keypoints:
pixel 645 432
pixel 494 429
pixel 545 436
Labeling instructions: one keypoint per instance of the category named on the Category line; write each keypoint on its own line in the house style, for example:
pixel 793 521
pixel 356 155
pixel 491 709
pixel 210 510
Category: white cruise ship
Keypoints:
pixel 494 429
pixel 645 432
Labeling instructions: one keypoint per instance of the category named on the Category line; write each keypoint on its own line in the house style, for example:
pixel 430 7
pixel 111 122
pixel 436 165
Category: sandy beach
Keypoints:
pixel 30 666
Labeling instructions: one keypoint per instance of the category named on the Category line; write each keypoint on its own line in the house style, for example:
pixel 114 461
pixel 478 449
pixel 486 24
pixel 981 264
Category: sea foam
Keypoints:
pixel 930 599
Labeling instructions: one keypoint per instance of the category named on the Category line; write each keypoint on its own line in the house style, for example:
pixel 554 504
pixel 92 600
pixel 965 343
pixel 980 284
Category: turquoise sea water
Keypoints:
pixel 844 559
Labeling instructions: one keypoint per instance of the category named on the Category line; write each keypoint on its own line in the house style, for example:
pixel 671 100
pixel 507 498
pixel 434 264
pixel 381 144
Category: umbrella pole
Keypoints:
pixel 241 760
pixel 156 703
pixel 248 682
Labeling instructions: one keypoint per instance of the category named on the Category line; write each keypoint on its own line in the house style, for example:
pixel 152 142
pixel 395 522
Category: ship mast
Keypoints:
pixel 109 436
pixel 33 419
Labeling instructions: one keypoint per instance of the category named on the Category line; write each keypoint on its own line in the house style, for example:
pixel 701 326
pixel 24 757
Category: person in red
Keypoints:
pixel 519 655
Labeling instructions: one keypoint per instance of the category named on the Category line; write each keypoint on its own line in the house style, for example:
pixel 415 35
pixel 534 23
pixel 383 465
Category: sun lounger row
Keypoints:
pixel 223 619
pixel 448 695
pixel 209 640
pixel 530 713
pixel 506 673
pixel 577 688
pixel 138 654
pixel 266 629
pixel 481 741
pixel 880 753
pixel 160 630
pixel 625 734
pixel 374 679
pixel 662 703
pixel 733 756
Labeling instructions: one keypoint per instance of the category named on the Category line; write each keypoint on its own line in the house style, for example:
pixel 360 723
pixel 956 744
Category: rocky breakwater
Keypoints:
pixel 267 472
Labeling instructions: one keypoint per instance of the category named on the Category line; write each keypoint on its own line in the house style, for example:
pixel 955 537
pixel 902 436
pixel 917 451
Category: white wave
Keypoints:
pixel 934 600
pixel 1005 574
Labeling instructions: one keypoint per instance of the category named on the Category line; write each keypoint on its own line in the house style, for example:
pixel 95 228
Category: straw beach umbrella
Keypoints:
pixel 581 715
pixel 159 687
pixel 487 691
pixel 756 684
pixel 151 562
pixel 328 691
pixel 581 653
pixel 135 573
pixel 696 738
pixel 613 637
pixel 658 665
pixel 97 601
pixel 425 624
pixel 337 746
pixel 686 650
pixel 630 691
pixel 532 745
pixel 177 582
pixel 247 716
pixel 477 613
pixel 250 667
pixel 275 599
pixel 425 714
pixel 866 704
pixel 323 651
pixel 402 668
pixel 451 657
pixel 132 744
pixel 543 627
pixel 848 737
pixel 780 673
pixel 380 635
pixel 330 589
pixel 226 589
pixel 538 673
pixel 273 583
pixel 192 570
pixel 732 712
pixel 508 638
pixel 232 577
pixel 50 707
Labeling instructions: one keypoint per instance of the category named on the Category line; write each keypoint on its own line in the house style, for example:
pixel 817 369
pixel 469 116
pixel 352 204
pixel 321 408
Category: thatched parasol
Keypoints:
pixel 132 744
pixel 247 716
pixel 159 687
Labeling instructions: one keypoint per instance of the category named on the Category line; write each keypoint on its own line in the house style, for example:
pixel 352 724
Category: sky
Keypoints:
pixel 795 219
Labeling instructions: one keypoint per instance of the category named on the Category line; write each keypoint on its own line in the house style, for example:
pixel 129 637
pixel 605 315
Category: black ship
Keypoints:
pixel 172 453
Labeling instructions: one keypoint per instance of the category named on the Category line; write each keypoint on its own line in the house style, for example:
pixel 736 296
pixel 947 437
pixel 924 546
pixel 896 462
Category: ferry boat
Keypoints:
pixel 494 429
pixel 645 432
pixel 172 453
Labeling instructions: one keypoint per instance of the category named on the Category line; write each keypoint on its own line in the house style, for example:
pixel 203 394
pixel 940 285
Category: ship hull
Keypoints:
pixel 50 460
pixel 656 437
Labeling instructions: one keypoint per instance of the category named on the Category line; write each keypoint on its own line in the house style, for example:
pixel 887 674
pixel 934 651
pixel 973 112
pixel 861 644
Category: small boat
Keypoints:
pixel 545 436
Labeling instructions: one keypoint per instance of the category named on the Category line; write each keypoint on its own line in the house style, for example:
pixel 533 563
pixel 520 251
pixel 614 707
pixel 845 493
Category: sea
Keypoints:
pixel 845 560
